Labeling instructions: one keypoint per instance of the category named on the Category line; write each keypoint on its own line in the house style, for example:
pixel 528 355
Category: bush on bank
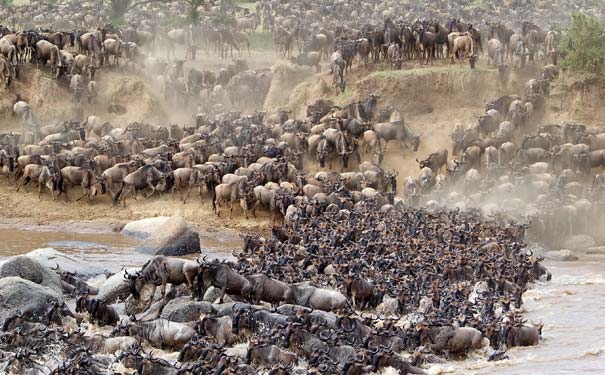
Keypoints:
pixel 582 45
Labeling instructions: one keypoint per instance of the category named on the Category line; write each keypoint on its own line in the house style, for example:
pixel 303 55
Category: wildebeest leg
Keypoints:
pixel 128 191
pixel 186 195
pixel 163 288
pixel 39 190
pixel 153 190
pixel 84 193
pixel 223 292
pixel 181 194
pixel 151 296
pixel 22 183
pixel 402 144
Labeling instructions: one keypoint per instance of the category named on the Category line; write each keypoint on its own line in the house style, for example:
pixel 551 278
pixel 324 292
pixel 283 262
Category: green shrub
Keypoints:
pixel 583 45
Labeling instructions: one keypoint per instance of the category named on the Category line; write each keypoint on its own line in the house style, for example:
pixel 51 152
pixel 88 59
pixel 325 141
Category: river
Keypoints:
pixel 572 305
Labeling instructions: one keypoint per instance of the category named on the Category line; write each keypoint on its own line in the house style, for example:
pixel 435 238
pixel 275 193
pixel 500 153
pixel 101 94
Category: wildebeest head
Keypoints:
pixel 135 283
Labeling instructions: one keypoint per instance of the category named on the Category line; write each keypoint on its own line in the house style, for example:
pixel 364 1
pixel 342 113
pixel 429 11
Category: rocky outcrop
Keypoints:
pixel 115 288
pixel 26 296
pixel 183 309
pixel 31 270
pixel 52 258
pixel 144 228
pixel 174 238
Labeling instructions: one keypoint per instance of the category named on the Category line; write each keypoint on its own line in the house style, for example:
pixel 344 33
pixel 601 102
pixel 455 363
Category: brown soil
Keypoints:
pixel 433 100
pixel 578 98
pixel 26 207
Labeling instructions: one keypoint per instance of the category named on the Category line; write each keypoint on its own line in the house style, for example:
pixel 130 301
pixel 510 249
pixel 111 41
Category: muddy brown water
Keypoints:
pixel 99 243
pixel 572 305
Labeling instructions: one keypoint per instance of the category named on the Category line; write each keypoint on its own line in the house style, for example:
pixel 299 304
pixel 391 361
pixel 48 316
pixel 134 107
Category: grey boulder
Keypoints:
pixel 116 287
pixel 26 296
pixel 32 270
pixel 184 309
pixel 144 228
pixel 174 238
pixel 52 258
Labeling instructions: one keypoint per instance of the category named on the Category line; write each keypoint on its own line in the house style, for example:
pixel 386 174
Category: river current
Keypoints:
pixel 571 306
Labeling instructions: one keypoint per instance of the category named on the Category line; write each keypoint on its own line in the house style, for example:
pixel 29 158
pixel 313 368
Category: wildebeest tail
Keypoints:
pixel 116 198
pixel 214 200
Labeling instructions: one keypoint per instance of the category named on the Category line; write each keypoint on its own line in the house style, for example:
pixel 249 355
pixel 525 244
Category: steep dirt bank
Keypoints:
pixel 432 100
pixel 51 100
pixel 578 98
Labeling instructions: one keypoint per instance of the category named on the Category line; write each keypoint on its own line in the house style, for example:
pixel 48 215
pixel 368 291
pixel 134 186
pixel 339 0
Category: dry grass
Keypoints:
pixel 426 70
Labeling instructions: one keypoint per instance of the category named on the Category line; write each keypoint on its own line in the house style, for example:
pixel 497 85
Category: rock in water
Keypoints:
pixel 32 270
pixel 561 255
pixel 28 297
pixel 115 287
pixel 174 238
pixel 183 309
pixel 144 228
pixel 52 258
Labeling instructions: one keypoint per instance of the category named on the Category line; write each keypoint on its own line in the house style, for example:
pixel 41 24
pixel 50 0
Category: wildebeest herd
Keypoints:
pixel 431 283
pixel 355 279
pixel 549 176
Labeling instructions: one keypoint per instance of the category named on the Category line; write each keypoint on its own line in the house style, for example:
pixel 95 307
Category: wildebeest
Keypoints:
pixel 322 299
pixel 98 310
pixel 74 176
pixel 269 290
pixel 312 59
pixel 40 174
pixel 222 276
pixel 451 339
pixel 162 333
pixel 147 176
pixel 160 271
pixel 270 355
pixel 232 192
pixel 521 335
pixel 400 132
pixel 435 161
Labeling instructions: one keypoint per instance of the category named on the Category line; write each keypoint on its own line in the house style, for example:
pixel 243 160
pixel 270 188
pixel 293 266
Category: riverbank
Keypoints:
pixel 25 208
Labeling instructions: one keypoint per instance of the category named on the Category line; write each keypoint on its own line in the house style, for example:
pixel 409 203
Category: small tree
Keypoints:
pixel 583 45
